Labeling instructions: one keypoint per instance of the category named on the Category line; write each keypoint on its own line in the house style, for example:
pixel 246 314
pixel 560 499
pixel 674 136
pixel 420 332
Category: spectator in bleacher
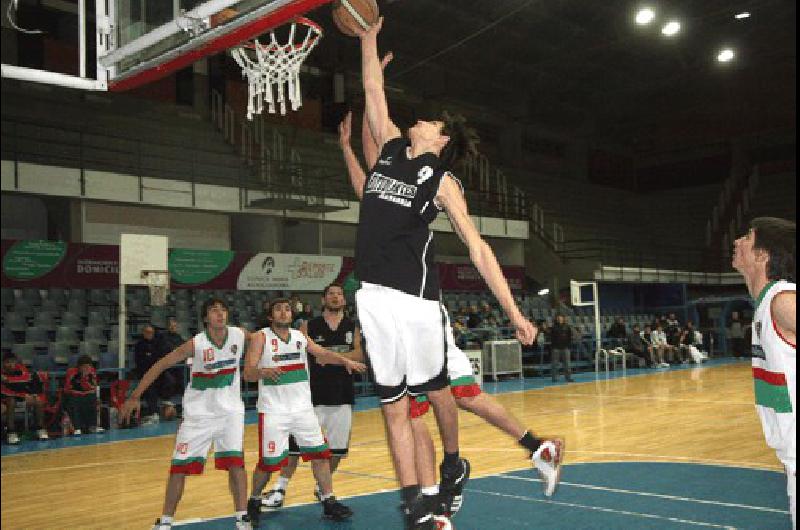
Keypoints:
pixel 656 352
pixel 617 332
pixel 166 341
pixel 460 334
pixel 689 339
pixel 560 345
pixel 637 346
pixel 474 319
pixel 735 333
pixel 80 396
pixel 20 385
pixel 659 340
pixel 147 354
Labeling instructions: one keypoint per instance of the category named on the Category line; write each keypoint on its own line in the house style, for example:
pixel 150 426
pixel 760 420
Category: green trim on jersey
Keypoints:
pixel 315 449
pixel 763 293
pixel 176 462
pixel 463 381
pixel 217 381
pixel 213 343
pixel 274 460
pixel 287 378
pixel 775 397
pixel 228 454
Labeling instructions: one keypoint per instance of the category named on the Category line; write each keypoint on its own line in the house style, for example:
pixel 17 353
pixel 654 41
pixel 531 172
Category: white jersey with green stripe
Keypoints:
pixel 292 392
pixel 775 376
pixel 215 389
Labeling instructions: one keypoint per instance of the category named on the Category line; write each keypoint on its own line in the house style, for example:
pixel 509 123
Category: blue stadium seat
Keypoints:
pixel 44 320
pixel 71 320
pixel 108 360
pixel 32 296
pixel 66 334
pixel 60 352
pixel 7 338
pixel 90 348
pixel 97 319
pixel 77 306
pixel 25 353
pixel 94 333
pixel 16 322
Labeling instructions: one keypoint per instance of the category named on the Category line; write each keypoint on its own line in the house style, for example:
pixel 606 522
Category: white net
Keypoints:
pixel 158 284
pixel 268 68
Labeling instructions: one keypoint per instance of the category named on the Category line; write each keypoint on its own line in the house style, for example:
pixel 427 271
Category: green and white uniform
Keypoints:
pixel 213 410
pixel 284 406
pixel 775 378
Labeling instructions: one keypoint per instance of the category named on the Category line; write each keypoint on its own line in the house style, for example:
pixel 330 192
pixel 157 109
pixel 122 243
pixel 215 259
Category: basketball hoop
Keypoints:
pixel 276 64
pixel 158 283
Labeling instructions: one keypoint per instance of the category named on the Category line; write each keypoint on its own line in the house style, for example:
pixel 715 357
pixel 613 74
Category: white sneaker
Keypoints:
pixel 96 430
pixel 42 434
pixel 161 526
pixel 664 365
pixel 13 438
pixel 244 523
pixel 77 432
pixel 273 499
pixel 153 419
pixel 547 461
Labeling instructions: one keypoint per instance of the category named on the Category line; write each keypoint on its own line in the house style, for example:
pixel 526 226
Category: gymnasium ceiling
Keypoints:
pixel 582 68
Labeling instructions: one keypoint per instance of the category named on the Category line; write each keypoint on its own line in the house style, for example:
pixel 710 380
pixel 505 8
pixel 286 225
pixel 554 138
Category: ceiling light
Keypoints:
pixel 742 15
pixel 645 16
pixel 671 28
pixel 725 55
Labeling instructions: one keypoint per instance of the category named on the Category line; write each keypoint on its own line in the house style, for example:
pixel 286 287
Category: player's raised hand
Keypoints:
pixel 387 59
pixel 345 128
pixel 132 405
pixel 355 366
pixel 273 374
pixel 371 32
pixel 525 331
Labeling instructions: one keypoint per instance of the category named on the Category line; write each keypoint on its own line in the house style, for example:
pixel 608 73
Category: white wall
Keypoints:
pixel 103 223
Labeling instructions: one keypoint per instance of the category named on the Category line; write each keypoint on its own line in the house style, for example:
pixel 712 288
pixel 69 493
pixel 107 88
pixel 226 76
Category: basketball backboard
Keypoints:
pixel 140 41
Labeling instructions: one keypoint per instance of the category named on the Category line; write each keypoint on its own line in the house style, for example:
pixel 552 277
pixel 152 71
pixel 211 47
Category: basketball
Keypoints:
pixel 350 15
pixel 222 17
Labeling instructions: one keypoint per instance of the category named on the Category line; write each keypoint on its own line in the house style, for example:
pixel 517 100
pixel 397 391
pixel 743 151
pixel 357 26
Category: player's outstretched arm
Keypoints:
pixel 357 175
pixel 370 147
pixel 325 356
pixel 376 108
pixel 451 198
pixel 178 355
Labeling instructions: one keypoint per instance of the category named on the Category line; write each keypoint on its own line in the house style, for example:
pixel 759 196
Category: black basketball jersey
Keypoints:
pixel 330 384
pixel 394 244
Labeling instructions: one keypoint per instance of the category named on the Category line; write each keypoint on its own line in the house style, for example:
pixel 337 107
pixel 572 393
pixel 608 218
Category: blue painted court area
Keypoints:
pixel 629 495
pixel 362 403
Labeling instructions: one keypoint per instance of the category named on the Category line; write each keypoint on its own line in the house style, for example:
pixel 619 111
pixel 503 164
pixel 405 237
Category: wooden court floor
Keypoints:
pixel 699 415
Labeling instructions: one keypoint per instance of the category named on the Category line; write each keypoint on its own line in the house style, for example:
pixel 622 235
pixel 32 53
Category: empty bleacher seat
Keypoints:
pixel 66 334
pixel 71 320
pixel 98 297
pixel 37 336
pixel 97 319
pixel 60 351
pixel 90 348
pixel 108 360
pixel 44 320
pixel 32 296
pixel 7 338
pixel 25 353
pixel 77 306
pixel 16 322
pixel 56 295
pixel 94 333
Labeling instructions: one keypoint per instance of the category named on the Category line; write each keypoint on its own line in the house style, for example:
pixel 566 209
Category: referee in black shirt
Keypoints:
pixel 332 391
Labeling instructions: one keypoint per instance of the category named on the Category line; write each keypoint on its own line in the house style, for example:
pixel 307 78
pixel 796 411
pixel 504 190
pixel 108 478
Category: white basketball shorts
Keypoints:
pixel 273 438
pixel 405 341
pixel 194 439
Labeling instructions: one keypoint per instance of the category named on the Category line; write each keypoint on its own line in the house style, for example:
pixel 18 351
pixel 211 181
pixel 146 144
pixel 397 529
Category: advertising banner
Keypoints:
pixel 295 272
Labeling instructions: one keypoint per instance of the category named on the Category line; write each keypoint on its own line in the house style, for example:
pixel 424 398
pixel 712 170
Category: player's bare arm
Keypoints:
pixel 251 371
pixel 784 311
pixel 451 198
pixel 357 175
pixel 325 356
pixel 178 355
pixel 376 107
pixel 369 145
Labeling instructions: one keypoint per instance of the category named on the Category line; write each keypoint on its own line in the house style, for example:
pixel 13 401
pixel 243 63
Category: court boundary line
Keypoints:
pixel 602 509
pixel 505 475
pixel 649 494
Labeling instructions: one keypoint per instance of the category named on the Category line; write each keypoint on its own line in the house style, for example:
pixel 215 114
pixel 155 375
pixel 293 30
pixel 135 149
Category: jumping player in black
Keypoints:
pixel 398 303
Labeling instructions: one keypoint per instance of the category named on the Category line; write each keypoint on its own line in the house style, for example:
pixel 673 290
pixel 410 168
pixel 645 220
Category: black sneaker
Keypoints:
pixel 452 485
pixel 418 516
pixel 335 510
pixel 254 510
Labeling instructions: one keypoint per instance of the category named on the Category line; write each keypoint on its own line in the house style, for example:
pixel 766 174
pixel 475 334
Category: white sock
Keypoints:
pixel 324 497
pixel 430 491
pixel 283 482
pixel 239 515
pixel 166 519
